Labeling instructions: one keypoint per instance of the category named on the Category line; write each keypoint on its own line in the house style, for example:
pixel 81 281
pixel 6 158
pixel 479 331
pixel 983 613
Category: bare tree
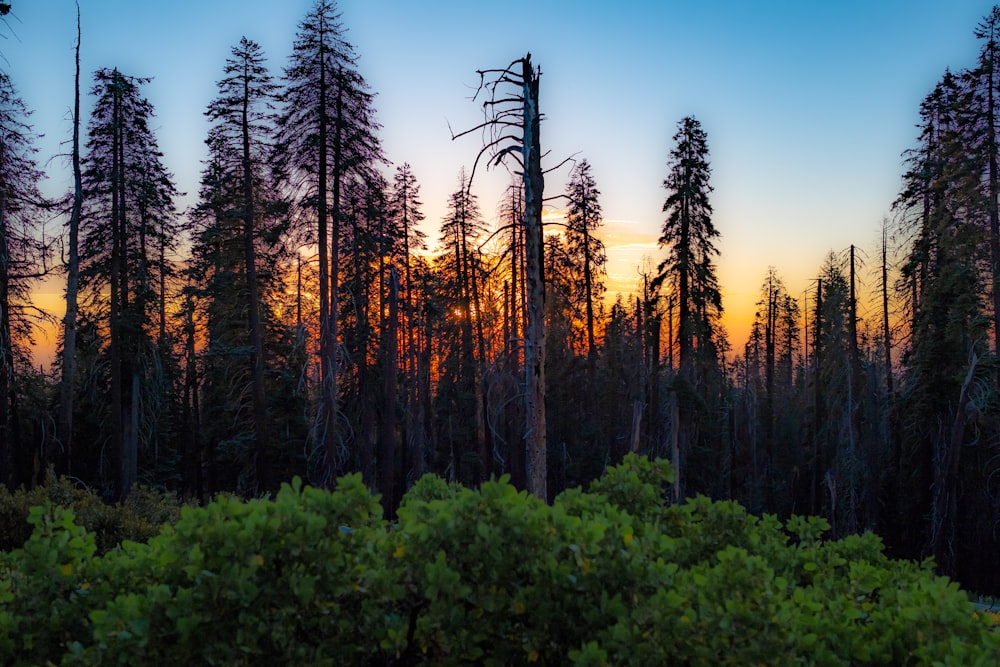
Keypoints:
pixel 72 280
pixel 511 133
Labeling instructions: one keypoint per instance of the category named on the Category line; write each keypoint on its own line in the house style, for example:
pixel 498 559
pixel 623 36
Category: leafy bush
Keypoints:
pixel 139 518
pixel 45 589
pixel 491 576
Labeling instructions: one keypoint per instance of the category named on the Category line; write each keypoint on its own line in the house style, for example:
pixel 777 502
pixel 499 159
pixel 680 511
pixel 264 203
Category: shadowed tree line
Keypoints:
pixel 294 321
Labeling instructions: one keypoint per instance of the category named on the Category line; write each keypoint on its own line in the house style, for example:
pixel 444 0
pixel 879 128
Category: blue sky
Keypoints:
pixel 807 105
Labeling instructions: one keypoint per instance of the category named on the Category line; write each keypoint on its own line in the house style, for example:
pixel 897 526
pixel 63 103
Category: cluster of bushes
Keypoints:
pixel 491 576
pixel 139 518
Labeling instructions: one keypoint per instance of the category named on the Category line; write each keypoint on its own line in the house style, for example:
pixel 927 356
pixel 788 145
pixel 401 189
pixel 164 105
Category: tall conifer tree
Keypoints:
pixel 689 268
pixel 326 137
pixel 22 261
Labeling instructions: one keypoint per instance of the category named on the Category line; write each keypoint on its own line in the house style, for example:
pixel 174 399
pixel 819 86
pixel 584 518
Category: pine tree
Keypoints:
pixel 326 138
pixel 22 261
pixel 405 206
pixel 583 219
pixel 519 111
pixel 769 359
pixel 984 83
pixel 241 118
pixel 689 270
pixel 943 215
pixel 459 393
pixel 129 222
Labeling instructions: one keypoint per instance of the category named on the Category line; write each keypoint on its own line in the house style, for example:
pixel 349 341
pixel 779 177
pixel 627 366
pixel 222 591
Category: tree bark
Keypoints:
pixel 330 385
pixel 253 299
pixel 11 455
pixel 327 337
pixel 115 324
pixel 534 342
pixel 68 361
pixel 388 438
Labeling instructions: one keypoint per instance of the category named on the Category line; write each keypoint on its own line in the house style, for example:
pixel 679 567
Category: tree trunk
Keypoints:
pixel 588 289
pixel 470 371
pixel 854 414
pixel 67 381
pixel 115 324
pixel 330 384
pixel 485 450
pixel 327 418
pixel 994 194
pixel 769 355
pixel 819 416
pixel 411 427
pixel 191 443
pixel 253 301
pixel 388 438
pixel 11 455
pixel 534 340
pixel 947 457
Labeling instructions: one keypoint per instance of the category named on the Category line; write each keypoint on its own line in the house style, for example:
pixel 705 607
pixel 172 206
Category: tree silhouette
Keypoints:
pixel 513 122
pixel 689 238
pixel 23 260
pixel 241 126
pixel 326 138
pixel 583 219
pixel 129 223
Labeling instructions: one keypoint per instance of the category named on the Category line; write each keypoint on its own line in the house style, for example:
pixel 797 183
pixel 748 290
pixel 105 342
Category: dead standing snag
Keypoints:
pixel 511 132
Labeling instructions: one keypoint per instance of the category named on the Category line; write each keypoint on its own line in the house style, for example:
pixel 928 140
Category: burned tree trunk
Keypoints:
pixel 65 427
pixel 534 336
pixel 505 114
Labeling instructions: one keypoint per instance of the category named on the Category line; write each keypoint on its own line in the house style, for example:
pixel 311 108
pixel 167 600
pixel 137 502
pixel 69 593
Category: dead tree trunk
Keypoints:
pixel 534 339
pixel 503 113
pixel 65 426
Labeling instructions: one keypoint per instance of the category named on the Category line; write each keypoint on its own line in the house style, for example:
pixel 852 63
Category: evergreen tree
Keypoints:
pixel 586 251
pixel 405 206
pixel 67 359
pixel 949 353
pixel 769 360
pixel 22 261
pixel 129 223
pixel 326 137
pixel 237 189
pixel 689 270
pixel 984 82
pixel 459 393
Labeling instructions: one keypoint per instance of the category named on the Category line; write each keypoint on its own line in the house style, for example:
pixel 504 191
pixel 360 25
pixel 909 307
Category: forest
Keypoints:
pixel 298 321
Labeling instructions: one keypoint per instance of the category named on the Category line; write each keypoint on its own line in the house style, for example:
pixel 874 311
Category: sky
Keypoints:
pixel 808 106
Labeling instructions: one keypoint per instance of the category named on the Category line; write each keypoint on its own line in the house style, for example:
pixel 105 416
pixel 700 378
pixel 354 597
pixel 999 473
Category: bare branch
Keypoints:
pixel 494 234
pixel 509 150
pixel 571 158
pixel 555 197
pixel 504 100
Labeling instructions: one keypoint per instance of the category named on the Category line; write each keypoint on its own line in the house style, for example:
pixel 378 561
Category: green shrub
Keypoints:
pixel 140 517
pixel 612 576
pixel 269 582
pixel 45 589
